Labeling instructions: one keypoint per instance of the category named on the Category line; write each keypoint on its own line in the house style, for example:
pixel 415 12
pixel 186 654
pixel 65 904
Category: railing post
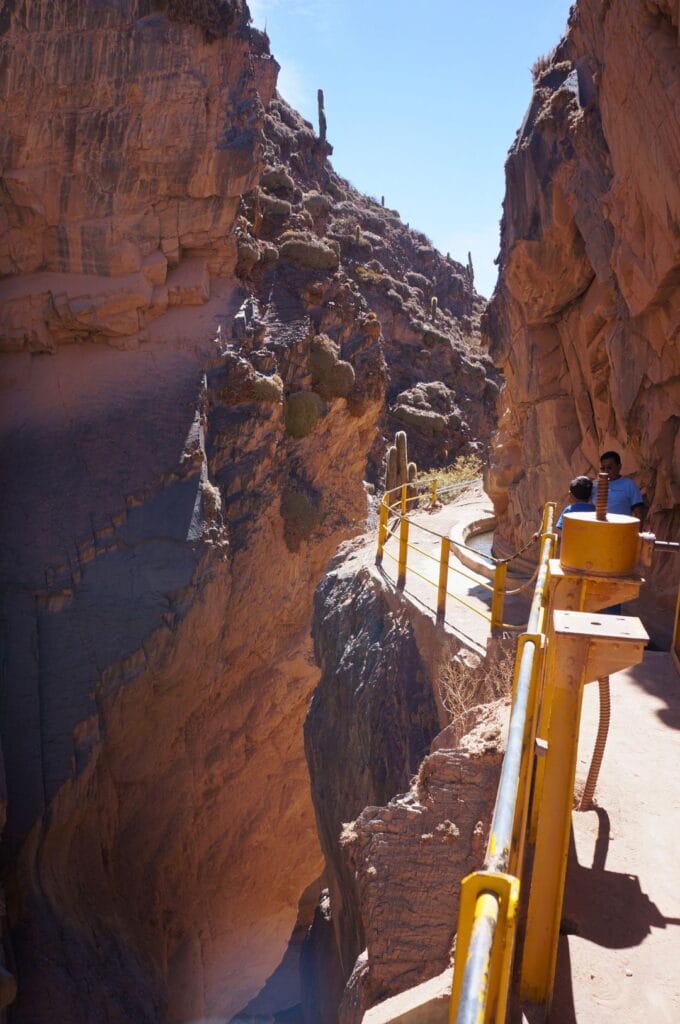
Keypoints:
pixel 443 577
pixel 382 529
pixel 434 492
pixel 498 600
pixel 404 496
pixel 403 550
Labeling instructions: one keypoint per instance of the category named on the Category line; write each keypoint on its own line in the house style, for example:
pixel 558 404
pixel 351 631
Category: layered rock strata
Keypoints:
pixel 399 826
pixel 129 134
pixel 584 322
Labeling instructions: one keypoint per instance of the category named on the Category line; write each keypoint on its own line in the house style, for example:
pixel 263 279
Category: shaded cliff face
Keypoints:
pixel 164 525
pixel 193 375
pixel 399 826
pixel 585 319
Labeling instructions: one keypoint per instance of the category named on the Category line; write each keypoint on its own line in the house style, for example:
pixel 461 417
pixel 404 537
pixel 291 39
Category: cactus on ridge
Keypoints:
pixel 322 115
pixel 398 470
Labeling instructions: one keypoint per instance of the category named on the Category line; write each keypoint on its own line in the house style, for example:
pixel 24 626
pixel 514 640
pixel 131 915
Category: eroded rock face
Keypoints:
pixel 129 132
pixel 193 374
pixel 409 858
pixel 421 818
pixel 585 320
pixel 158 673
pixel 163 528
pixel 308 229
pixel 364 738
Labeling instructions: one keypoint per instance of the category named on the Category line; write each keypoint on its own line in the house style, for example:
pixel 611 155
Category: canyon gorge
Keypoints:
pixel 211 714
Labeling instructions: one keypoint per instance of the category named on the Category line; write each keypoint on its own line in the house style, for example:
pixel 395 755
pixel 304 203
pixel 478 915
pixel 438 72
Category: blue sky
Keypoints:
pixel 422 101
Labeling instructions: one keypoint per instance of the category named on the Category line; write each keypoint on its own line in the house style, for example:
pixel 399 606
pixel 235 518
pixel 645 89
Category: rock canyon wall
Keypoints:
pixel 403 801
pixel 586 316
pixel 206 334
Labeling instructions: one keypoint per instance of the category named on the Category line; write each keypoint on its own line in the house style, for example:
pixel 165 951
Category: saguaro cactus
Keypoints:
pixel 399 470
pixel 402 457
pixel 322 115
pixel 391 469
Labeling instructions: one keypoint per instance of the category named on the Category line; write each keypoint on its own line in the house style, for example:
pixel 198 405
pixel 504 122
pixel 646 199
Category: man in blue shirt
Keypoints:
pixel 624 495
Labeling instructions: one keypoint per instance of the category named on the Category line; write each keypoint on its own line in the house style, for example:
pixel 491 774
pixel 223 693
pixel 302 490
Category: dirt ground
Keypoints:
pixel 619 961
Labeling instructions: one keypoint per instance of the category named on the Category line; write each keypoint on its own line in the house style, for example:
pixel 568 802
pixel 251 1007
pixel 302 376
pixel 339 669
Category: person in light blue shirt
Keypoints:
pixel 580 488
pixel 624 495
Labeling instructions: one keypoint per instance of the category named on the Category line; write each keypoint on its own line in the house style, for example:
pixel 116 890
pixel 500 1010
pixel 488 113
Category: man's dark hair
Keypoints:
pixel 581 487
pixel 611 455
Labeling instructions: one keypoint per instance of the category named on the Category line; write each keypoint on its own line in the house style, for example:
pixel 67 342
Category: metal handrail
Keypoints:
pixel 473 987
pixel 394 506
pixel 500 836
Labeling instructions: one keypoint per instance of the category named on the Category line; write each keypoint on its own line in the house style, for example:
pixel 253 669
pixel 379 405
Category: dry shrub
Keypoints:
pixel 542 64
pixel 333 375
pixel 470 680
pixel 307 251
pixel 466 469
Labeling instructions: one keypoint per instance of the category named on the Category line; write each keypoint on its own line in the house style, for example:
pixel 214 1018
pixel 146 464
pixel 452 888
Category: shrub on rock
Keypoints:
pixel 268 389
pixel 306 250
pixel 302 412
pixel 277 179
pixel 334 375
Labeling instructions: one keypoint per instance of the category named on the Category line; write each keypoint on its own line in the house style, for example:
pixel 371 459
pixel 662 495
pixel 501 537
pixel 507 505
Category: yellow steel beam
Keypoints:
pixel 583 647
pixel 444 551
pixel 382 529
pixel 403 550
pixel 498 599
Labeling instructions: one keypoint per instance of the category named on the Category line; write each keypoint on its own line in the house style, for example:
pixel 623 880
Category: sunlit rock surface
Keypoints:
pixel 585 320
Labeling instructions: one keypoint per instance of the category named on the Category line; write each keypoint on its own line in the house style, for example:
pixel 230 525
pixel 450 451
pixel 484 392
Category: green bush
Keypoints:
pixel 317 204
pixel 300 513
pixel 302 411
pixel 366 275
pixel 324 353
pixel 268 389
pixel 334 375
pixel 306 250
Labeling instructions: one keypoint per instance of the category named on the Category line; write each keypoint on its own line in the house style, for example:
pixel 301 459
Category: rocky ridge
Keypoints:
pixel 310 245
pixel 584 322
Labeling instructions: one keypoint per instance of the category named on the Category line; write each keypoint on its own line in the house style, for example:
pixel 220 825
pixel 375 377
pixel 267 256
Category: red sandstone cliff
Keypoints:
pixel 194 379
pixel 584 322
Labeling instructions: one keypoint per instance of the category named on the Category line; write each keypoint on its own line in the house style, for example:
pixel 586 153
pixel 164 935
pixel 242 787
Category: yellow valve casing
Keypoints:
pixel 607 547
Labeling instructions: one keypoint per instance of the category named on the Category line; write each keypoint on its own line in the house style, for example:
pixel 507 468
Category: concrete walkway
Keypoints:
pixel 468 604
pixel 618 962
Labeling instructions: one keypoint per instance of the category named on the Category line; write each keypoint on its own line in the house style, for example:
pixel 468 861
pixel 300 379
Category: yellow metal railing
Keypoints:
pixel 399 504
pixel 560 652
pixel 566 644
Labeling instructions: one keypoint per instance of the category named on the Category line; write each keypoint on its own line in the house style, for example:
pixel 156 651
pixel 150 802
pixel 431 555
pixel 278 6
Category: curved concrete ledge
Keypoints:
pixel 521 565
pixel 460 535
